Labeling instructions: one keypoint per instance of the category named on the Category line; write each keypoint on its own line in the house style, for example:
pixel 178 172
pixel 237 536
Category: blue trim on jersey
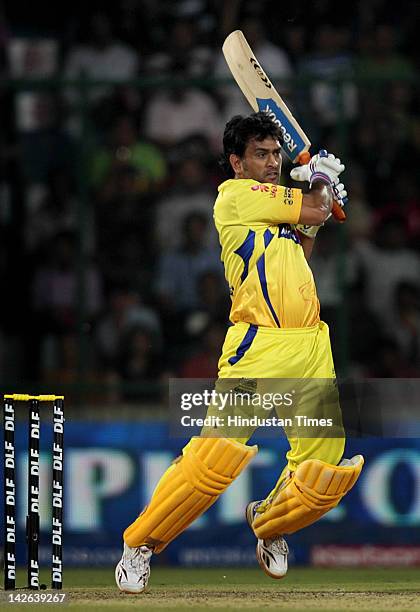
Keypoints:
pixel 245 252
pixel 245 344
pixel 268 237
pixel 263 282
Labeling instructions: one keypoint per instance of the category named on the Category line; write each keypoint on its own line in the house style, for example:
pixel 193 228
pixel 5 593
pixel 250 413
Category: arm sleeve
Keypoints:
pixel 267 203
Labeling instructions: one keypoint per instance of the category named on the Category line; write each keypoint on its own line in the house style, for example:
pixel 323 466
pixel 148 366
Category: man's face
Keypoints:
pixel 261 161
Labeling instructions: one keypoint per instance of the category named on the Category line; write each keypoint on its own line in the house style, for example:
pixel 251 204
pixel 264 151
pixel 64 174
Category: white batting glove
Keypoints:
pixel 323 166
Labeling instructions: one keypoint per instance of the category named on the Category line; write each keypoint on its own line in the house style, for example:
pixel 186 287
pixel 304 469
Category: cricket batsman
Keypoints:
pixel 267 233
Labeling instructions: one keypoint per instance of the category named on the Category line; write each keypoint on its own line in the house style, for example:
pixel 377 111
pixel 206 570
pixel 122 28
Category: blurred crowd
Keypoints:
pixel 110 263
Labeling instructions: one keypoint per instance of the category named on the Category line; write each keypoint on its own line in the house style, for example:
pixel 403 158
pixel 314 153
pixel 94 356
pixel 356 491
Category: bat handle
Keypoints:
pixel 304 158
pixel 337 212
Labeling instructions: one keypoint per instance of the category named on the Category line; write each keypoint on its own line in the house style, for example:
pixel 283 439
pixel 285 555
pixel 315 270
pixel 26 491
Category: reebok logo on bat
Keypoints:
pixel 275 115
pixel 260 72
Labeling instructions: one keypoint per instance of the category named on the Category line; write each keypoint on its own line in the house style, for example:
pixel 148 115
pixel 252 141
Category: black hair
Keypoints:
pixel 240 130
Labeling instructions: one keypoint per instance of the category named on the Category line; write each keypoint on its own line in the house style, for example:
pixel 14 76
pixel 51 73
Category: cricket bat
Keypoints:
pixel 262 96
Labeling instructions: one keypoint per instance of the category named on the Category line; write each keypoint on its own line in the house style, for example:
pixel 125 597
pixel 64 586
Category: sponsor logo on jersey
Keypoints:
pixel 288 197
pixel 287 231
pixel 271 189
pixel 260 187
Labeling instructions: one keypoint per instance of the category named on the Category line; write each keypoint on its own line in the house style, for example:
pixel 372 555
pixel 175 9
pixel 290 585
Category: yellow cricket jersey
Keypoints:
pixel 270 281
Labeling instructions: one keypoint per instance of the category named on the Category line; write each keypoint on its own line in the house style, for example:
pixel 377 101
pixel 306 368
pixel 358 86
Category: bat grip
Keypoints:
pixel 337 212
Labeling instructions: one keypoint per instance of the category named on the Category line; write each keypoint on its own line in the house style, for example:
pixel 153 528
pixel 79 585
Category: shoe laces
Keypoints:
pixel 137 559
pixel 278 546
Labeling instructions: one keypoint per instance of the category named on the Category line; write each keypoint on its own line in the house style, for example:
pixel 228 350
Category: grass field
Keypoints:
pixel 304 589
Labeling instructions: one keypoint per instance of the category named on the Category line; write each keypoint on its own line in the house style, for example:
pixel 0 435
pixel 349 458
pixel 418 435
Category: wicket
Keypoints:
pixel 32 518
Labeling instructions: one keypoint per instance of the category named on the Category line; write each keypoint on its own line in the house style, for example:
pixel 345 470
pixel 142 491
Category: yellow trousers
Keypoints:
pixel 283 360
pixel 254 362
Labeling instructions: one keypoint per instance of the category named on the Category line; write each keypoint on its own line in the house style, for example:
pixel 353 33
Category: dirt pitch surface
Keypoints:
pixel 303 590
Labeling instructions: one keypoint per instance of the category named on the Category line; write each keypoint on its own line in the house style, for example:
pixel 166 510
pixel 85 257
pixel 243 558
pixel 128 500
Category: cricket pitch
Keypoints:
pixel 303 590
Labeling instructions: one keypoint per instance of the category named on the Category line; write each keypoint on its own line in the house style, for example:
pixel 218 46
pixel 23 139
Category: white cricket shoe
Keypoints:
pixel 133 571
pixel 271 553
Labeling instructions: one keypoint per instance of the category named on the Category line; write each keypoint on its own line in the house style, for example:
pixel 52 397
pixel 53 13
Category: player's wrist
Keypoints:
pixel 310 231
pixel 320 177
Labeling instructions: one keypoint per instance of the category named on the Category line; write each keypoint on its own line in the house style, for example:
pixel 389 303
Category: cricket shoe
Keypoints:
pixel 271 553
pixel 133 571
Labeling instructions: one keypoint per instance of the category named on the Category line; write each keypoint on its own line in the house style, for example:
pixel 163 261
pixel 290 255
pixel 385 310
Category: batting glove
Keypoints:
pixel 323 166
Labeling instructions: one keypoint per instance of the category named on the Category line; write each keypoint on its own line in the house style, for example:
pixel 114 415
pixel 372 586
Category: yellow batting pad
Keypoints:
pixel 188 488
pixel 308 494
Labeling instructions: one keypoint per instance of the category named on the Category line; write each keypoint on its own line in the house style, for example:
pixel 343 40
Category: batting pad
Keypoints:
pixel 313 489
pixel 187 489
